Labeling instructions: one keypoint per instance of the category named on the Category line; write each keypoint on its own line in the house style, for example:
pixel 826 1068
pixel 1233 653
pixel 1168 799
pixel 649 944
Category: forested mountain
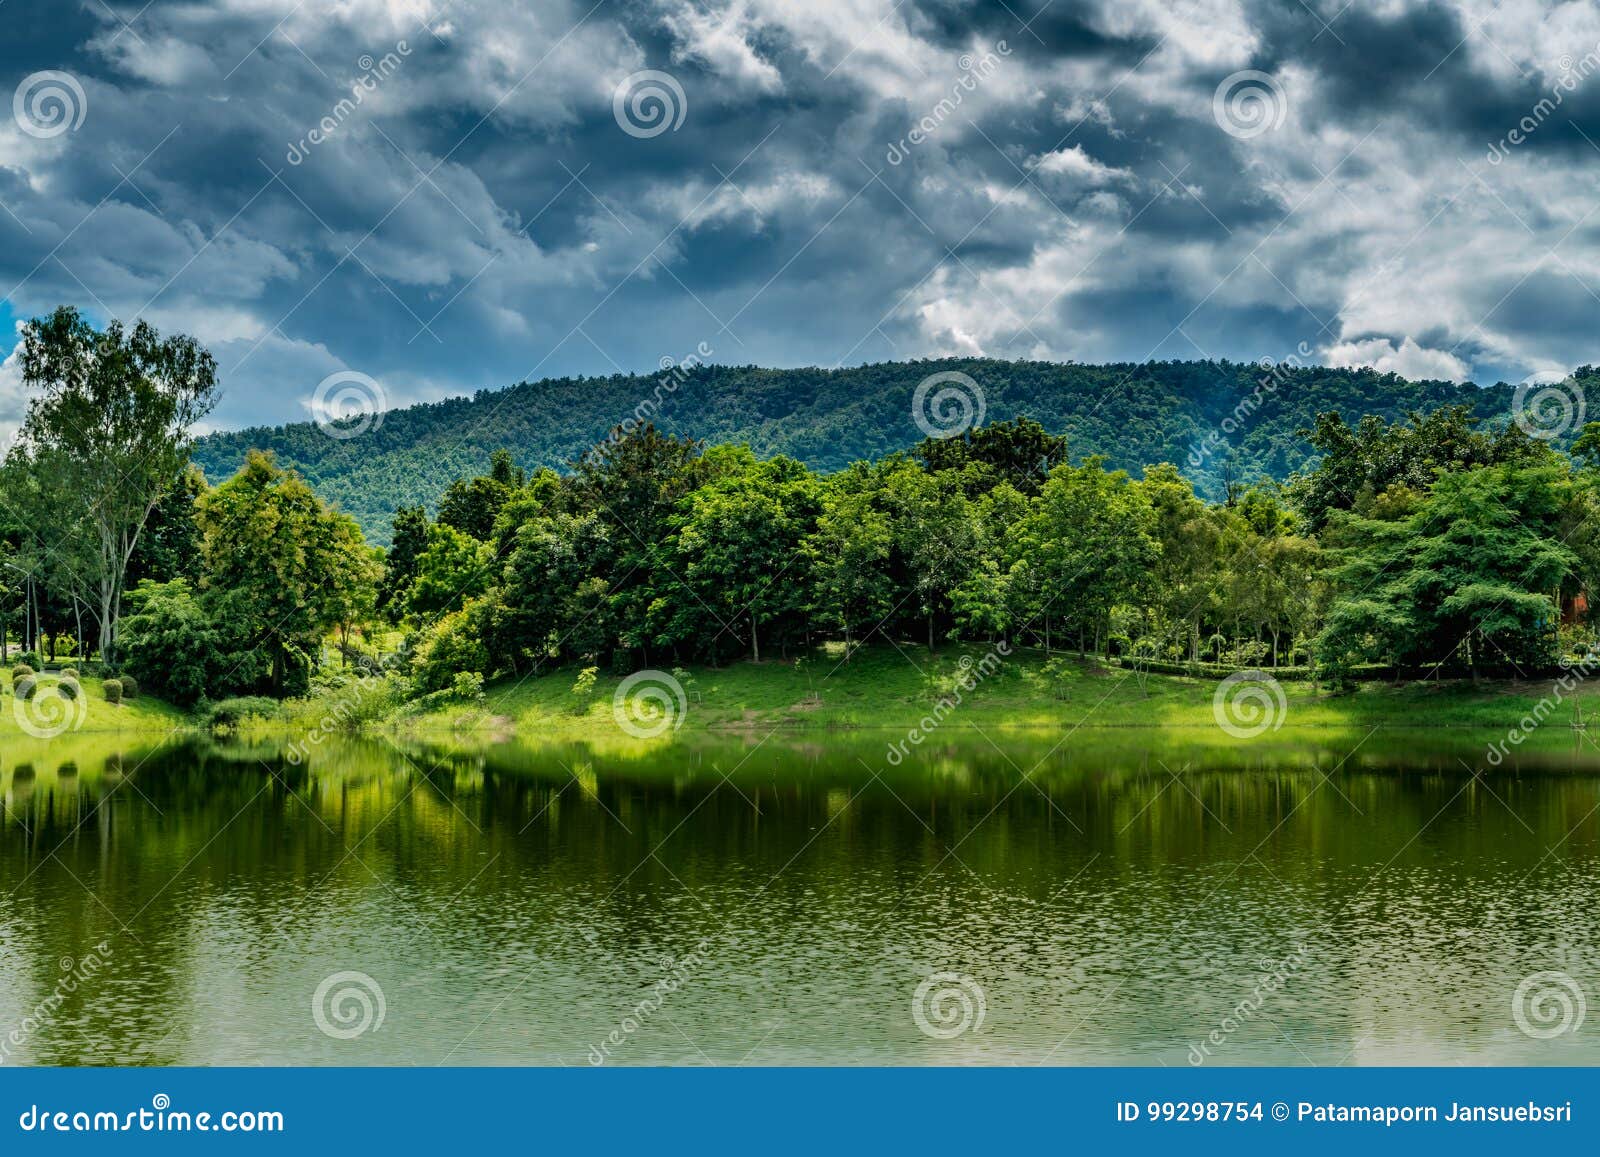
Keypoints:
pixel 1214 420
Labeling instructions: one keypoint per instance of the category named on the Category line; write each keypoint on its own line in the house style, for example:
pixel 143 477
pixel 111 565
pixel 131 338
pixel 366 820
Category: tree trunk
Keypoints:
pixel 930 632
pixel 755 640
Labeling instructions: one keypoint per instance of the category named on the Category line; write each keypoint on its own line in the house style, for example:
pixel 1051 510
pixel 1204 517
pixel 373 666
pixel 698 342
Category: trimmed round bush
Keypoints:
pixel 69 689
pixel 130 687
pixel 21 671
pixel 113 690
pixel 26 686
pixel 69 673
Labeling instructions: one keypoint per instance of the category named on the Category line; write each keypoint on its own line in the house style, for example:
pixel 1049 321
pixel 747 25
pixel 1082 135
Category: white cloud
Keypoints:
pixel 1409 360
pixel 1078 165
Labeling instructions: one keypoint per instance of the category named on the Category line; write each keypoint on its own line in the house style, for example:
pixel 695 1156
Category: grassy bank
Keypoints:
pixel 90 713
pixel 890 688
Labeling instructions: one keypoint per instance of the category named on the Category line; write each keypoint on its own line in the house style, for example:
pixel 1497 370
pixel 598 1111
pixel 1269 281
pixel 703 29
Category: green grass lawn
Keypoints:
pixel 90 714
pixel 886 687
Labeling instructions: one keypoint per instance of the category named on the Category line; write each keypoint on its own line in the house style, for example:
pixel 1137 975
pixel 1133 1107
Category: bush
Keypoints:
pixel 69 672
pixel 467 686
pixel 170 642
pixel 232 712
pixel 69 689
pixel 452 646
pixel 28 659
pixel 130 686
pixel 26 686
pixel 21 671
pixel 113 690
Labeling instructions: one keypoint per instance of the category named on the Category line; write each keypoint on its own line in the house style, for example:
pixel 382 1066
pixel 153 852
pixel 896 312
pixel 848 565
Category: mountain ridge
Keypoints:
pixel 1211 418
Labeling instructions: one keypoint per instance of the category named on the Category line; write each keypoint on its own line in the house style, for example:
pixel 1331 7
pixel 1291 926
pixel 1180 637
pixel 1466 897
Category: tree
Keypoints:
pixel 738 550
pixel 1091 540
pixel 409 540
pixel 1474 571
pixel 111 421
pixel 453 568
pixel 284 568
pixel 848 555
pixel 169 642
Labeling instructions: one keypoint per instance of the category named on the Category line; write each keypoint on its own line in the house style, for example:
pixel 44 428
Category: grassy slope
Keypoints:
pixel 143 714
pixel 894 689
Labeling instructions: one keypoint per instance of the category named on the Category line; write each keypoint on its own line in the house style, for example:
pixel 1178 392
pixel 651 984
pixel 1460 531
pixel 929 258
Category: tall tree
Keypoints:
pixel 283 567
pixel 111 420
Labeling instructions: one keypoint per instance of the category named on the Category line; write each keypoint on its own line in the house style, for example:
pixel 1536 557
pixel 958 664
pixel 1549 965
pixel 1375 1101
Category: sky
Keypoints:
pixel 431 198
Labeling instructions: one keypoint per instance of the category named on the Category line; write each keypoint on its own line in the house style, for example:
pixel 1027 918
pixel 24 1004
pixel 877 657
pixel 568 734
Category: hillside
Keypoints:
pixel 1135 414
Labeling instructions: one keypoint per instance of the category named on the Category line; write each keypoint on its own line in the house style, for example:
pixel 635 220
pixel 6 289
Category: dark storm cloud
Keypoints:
pixel 851 181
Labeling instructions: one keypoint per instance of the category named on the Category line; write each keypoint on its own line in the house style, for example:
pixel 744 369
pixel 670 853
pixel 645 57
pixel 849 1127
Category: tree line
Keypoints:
pixel 1432 543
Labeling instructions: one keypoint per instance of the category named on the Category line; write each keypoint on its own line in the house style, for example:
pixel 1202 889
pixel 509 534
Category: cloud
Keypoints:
pixel 1409 360
pixel 479 216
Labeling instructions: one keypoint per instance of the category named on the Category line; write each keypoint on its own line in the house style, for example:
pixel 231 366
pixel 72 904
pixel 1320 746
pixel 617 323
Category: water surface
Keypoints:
pixel 1116 898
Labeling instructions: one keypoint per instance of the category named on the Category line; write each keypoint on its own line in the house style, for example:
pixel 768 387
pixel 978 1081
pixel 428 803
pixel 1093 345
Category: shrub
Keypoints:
pixel 26 686
pixel 69 672
pixel 171 642
pixel 130 687
pixel 113 690
pixel 467 686
pixel 21 671
pixel 450 647
pixel 69 689
pixel 232 712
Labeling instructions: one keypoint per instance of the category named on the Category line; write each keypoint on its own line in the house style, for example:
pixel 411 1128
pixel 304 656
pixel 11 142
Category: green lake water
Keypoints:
pixel 1110 898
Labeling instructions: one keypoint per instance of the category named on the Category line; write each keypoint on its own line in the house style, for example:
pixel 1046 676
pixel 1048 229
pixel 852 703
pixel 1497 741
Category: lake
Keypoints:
pixel 1115 897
